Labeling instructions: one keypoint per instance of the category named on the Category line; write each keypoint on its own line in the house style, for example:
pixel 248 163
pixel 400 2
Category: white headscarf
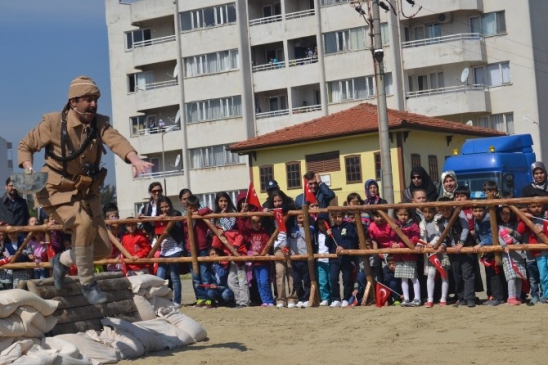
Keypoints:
pixel 452 175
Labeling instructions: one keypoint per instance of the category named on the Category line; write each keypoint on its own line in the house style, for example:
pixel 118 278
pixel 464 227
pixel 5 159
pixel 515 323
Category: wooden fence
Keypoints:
pixel 365 250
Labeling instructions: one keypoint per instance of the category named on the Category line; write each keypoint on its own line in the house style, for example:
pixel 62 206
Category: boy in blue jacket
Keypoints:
pixel 345 237
pixel 218 291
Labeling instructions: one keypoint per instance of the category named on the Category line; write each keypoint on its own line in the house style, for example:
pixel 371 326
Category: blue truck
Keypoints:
pixel 506 160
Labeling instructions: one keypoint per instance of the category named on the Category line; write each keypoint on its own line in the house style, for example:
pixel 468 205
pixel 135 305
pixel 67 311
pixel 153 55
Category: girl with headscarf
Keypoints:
pixel 539 186
pixel 420 180
pixel 449 183
pixel 372 195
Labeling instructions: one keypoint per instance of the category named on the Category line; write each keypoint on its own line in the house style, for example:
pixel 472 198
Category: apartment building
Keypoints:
pixel 6 160
pixel 249 67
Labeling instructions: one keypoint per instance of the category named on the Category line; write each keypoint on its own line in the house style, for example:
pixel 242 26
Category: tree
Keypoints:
pixel 107 194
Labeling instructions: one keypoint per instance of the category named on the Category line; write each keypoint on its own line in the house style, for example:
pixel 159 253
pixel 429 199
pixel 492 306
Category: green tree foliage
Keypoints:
pixel 108 194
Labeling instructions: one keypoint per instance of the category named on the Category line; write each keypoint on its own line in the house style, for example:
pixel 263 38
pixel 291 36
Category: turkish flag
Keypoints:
pixel 49 250
pixel 280 219
pixel 251 197
pixel 308 194
pixel 124 266
pixel 545 227
pixel 434 259
pixel 381 295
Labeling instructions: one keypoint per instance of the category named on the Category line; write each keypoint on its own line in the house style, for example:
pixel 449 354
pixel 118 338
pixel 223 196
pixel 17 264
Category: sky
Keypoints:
pixel 44 45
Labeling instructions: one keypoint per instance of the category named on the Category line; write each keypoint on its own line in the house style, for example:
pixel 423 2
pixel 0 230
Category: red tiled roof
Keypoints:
pixel 360 119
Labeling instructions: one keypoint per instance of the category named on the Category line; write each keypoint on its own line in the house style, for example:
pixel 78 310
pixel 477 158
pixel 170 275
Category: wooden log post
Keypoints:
pixel 447 229
pixel 270 242
pixel 192 243
pixel 366 265
pixel 160 239
pixel 21 248
pixel 494 227
pixel 396 229
pixel 314 298
pixel 223 239
pixel 529 223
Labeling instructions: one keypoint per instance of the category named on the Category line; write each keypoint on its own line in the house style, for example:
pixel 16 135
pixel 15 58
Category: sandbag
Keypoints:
pixel 98 352
pixel 150 342
pixel 145 309
pixel 67 352
pixel 128 345
pixel 15 351
pixel 30 315
pixel 184 322
pixel 170 335
pixel 37 356
pixel 160 303
pixel 12 299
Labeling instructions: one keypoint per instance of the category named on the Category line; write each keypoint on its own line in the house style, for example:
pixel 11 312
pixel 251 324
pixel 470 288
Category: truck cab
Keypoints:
pixel 506 160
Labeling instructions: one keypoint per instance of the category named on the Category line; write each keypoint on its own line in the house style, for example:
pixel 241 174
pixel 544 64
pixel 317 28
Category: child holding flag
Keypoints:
pixel 430 233
pixel 512 261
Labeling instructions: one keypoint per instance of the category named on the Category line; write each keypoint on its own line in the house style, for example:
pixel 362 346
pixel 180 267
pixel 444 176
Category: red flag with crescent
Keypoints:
pixel 381 295
pixel 252 198
pixel 124 266
pixel 280 219
pixel 435 260
pixel 308 194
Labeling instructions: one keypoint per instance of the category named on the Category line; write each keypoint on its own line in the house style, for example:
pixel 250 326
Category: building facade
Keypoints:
pixel 250 67
pixel 6 160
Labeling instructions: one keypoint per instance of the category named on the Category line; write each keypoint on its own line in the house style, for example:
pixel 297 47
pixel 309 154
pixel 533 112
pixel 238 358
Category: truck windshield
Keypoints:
pixel 475 182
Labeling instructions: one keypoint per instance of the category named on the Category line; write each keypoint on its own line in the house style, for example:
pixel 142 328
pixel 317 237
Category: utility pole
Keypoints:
pixel 384 139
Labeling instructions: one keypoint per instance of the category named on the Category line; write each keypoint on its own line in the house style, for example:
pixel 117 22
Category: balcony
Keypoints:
pixel 450 100
pixel 451 49
pixel 154 51
pixel 441 6
pixel 150 9
pixel 157 95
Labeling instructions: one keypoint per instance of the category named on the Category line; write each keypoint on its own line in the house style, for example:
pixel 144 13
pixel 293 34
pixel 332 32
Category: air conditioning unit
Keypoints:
pixel 444 17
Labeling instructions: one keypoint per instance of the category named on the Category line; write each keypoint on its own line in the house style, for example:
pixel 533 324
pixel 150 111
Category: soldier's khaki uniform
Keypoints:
pixel 78 211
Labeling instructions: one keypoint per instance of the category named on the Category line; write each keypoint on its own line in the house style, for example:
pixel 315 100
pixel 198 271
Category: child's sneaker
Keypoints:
pixel 299 304
pixel 208 304
pixel 270 305
pixel 304 305
pixel 280 305
pixel 324 303
pixel 535 300
pixel 200 303
pixel 428 305
pixel 443 303
pixel 397 303
pixel 513 301
pixel 416 303
pixel 335 304
pixel 406 303
pixel 292 305
pixel 344 304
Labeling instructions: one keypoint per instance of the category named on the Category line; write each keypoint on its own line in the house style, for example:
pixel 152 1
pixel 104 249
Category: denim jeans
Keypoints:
pixel 534 277
pixel 203 277
pixel 301 280
pixel 174 273
pixel 221 295
pixel 262 275
pixel 337 267
pixel 542 263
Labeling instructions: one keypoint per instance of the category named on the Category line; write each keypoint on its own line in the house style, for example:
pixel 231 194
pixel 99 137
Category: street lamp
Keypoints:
pixel 168 129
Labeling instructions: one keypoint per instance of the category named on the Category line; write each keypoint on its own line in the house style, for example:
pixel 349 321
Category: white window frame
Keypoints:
pixel 348 89
pixel 199 65
pixel 221 16
pixel 504 74
pixel 500 23
pixel 229 107
pixel 213 156
pixel 489 121
pixel 343 41
pixel 146 34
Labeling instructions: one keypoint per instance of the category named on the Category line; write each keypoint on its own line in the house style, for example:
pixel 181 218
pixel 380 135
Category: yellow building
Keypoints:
pixel 344 148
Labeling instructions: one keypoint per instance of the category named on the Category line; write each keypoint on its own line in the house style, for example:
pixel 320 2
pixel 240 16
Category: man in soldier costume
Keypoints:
pixel 73 140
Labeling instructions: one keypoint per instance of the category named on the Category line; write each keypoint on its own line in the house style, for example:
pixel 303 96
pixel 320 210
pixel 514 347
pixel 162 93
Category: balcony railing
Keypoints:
pixel 300 14
pixel 445 90
pixel 155 175
pixel 269 66
pixel 275 113
pixel 306 109
pixel 303 61
pixel 444 39
pixel 155 130
pixel 266 20
pixel 150 42
pixel 157 85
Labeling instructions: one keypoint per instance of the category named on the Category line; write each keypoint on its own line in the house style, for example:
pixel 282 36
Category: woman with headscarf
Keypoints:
pixel 372 195
pixel 539 186
pixel 420 180
pixel 449 183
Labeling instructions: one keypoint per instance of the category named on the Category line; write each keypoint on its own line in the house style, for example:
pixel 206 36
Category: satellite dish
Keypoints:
pixel 178 160
pixel 464 75
pixel 178 116
pixel 176 71
pixel 469 123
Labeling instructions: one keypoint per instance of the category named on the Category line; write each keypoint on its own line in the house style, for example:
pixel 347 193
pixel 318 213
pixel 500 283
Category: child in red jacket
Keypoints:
pixel 258 239
pixel 406 265
pixel 138 246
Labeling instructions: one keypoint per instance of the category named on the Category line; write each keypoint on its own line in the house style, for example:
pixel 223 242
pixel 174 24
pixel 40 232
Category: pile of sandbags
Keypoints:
pixel 150 294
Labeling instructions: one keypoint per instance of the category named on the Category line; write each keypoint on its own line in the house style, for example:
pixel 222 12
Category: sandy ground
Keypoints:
pixel 388 335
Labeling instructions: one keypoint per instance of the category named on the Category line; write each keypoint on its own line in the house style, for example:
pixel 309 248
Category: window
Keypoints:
pixel 213 156
pixel 276 103
pixel 272 9
pixel 214 109
pixel 208 17
pixel 488 24
pixel 353 169
pixel 137 124
pixel 415 160
pixel 323 162
pixel 332 2
pixel 208 199
pixel 351 89
pixel 501 122
pixel 345 40
pixel 431 81
pixel 137 36
pixel 385 40
pixel 496 74
pixel 378 166
pixel 139 81
pixel 293 172
pixel 433 167
pixel 266 173
pixel 388 83
pixel 211 63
